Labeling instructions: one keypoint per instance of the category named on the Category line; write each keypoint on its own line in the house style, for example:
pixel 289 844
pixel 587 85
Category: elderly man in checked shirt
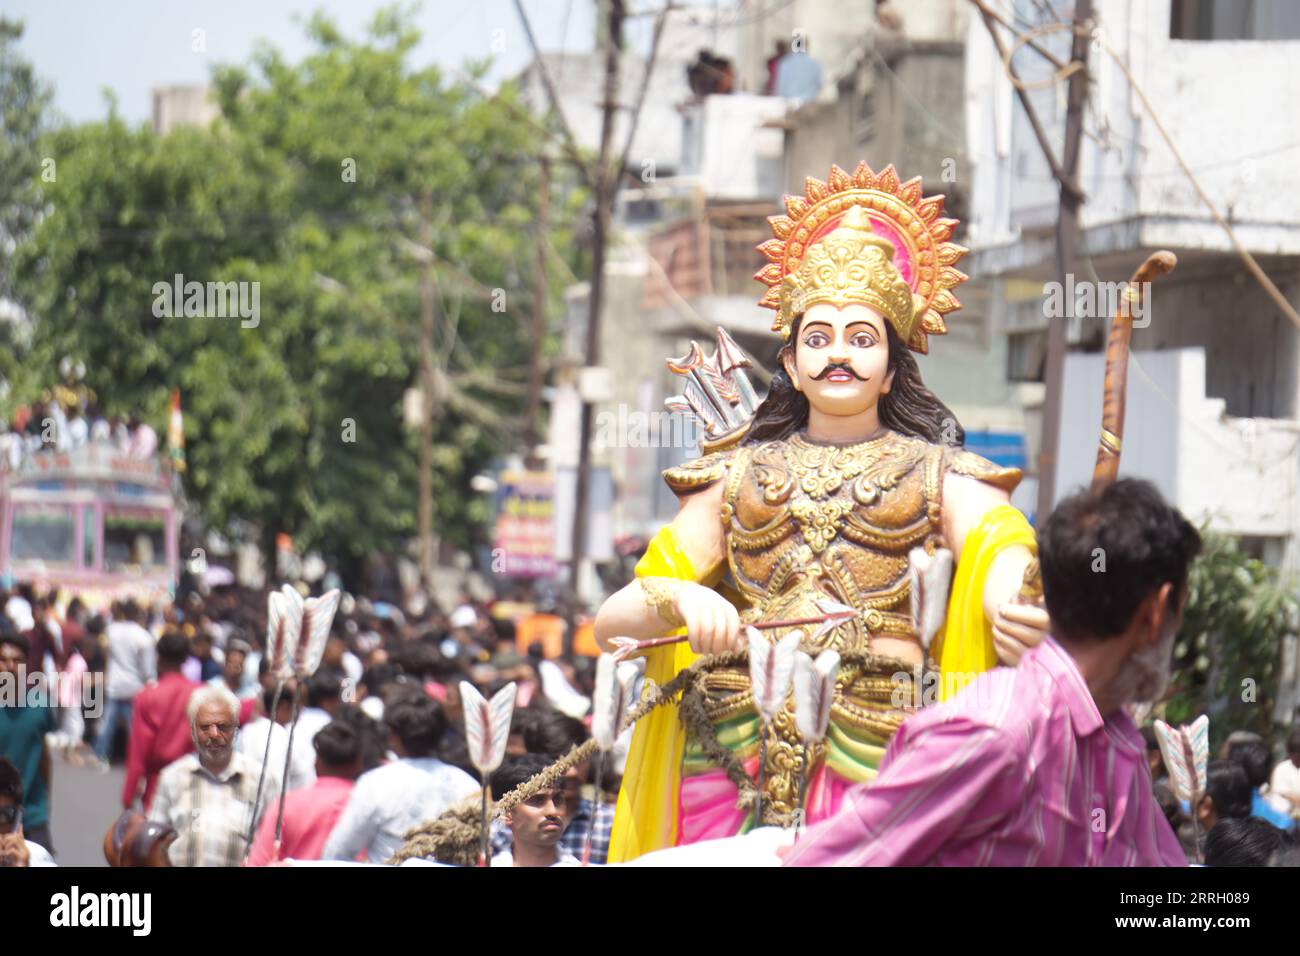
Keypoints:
pixel 208 796
pixel 1041 764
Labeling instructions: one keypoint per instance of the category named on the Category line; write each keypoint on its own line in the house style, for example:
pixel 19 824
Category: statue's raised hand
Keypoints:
pixel 1017 628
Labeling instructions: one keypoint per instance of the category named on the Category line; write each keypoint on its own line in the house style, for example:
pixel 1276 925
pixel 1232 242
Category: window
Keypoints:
pixel 42 533
pixel 1234 20
pixel 135 540
pixel 88 533
pixel 1026 356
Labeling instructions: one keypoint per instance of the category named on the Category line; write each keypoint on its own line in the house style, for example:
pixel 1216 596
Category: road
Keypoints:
pixel 85 803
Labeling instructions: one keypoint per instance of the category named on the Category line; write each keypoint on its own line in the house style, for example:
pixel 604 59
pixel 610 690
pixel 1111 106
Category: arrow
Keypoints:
pixel 833 614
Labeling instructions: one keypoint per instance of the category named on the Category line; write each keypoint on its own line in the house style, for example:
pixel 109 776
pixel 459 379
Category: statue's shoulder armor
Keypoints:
pixel 971 465
pixel 698 473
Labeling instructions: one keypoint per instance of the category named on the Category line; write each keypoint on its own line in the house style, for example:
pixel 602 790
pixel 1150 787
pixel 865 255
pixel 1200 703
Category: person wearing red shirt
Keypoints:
pixel 311 812
pixel 160 731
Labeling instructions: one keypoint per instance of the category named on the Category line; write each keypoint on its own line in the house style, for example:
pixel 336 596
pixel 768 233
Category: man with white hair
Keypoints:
pixel 208 796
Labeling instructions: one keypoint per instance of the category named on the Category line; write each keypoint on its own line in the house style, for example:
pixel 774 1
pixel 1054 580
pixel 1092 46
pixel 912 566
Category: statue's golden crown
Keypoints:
pixel 864 238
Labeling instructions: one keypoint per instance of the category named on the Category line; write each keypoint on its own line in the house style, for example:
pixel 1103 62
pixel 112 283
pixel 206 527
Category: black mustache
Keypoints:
pixel 837 367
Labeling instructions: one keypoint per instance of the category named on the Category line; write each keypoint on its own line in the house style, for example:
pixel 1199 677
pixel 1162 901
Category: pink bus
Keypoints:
pixel 92 521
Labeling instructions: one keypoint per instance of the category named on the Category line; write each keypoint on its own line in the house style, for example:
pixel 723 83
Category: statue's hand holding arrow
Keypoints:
pixel 832 614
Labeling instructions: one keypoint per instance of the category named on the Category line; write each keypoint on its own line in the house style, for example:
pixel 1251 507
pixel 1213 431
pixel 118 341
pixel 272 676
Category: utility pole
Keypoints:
pixel 531 426
pixel 606 183
pixel 426 387
pixel 1067 257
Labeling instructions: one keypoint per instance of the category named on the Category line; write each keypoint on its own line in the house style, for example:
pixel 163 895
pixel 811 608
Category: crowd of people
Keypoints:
pixel 371 746
pixel 1249 812
pixel 68 418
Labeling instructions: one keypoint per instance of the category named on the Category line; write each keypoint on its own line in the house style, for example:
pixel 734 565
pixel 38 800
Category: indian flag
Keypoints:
pixel 176 433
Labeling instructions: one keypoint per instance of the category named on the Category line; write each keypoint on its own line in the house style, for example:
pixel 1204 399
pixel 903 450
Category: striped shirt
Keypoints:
pixel 1019 769
pixel 212 812
pixel 575 833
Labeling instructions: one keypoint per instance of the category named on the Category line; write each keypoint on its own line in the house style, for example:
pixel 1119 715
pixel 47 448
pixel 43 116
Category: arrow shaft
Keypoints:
pixel 763 626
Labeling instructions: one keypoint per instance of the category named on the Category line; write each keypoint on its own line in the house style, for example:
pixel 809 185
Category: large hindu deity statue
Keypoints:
pixel 847 467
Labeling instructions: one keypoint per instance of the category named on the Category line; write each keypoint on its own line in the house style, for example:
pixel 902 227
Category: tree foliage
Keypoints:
pixel 1227 656
pixel 308 185
pixel 24 104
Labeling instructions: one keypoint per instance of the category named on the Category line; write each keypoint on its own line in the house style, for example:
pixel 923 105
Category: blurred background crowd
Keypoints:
pixel 388 690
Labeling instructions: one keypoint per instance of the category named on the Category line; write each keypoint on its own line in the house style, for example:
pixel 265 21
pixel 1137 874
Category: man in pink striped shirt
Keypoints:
pixel 1041 764
pixel 311 812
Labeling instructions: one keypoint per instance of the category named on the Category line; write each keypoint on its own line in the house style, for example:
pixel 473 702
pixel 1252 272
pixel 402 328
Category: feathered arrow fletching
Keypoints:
pixel 615 683
pixel 931 576
pixel 282 630
pixel 814 689
pixel 317 616
pixel 1186 751
pixel 770 668
pixel 487 725
pixel 624 646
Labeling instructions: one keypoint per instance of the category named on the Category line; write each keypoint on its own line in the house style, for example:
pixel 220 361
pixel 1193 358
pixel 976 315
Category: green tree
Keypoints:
pixel 24 102
pixel 308 185
pixel 1227 657
pixel 24 106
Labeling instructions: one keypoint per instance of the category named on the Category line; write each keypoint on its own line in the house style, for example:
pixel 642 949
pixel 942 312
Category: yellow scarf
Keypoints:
pixel 967 648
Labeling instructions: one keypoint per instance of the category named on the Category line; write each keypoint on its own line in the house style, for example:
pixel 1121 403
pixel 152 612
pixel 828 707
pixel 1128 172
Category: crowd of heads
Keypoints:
pixel 390 680
pixel 1223 825
pixel 66 418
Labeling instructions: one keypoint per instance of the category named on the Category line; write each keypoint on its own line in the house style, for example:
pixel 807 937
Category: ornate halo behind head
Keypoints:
pixel 866 238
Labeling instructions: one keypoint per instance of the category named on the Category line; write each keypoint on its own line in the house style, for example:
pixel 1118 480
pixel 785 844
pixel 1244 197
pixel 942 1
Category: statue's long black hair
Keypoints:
pixel 908 408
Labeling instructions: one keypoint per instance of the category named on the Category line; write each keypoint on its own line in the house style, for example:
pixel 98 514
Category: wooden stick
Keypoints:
pixel 266 757
pixel 483 829
pixel 288 755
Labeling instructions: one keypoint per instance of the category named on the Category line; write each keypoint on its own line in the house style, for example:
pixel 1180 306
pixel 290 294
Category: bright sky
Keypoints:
pixel 131 46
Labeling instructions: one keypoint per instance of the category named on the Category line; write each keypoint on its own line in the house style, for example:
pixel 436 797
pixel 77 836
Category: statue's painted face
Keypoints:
pixel 841 359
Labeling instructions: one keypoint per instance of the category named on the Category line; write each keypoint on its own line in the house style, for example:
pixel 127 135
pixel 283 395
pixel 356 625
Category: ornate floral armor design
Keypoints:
pixel 804 521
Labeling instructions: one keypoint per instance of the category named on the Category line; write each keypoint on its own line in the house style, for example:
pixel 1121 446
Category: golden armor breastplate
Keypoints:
pixel 806 521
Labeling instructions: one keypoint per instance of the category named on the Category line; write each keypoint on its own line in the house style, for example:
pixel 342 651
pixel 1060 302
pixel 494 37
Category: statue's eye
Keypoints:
pixel 863 340
pixel 815 340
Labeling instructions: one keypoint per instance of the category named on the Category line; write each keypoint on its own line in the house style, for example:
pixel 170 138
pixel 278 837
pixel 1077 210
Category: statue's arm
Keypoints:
pixel 698 530
pixel 1016 627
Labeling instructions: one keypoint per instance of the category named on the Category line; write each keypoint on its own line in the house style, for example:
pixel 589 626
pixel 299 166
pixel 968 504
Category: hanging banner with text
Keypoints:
pixel 524 542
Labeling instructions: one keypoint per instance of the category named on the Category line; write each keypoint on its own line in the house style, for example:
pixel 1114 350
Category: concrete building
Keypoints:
pixel 1225 360
pixel 683 260
pixel 186 105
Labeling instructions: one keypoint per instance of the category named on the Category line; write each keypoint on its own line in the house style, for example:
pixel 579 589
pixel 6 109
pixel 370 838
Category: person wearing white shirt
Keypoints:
pixel 1284 785
pixel 78 432
pixel 324 698
pixel 536 824
pixel 15 849
pixel 19 611
pixel 131 666
pixel 60 420
pixel 143 440
pixel 253 738
pixel 395 797
pixel 338 657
